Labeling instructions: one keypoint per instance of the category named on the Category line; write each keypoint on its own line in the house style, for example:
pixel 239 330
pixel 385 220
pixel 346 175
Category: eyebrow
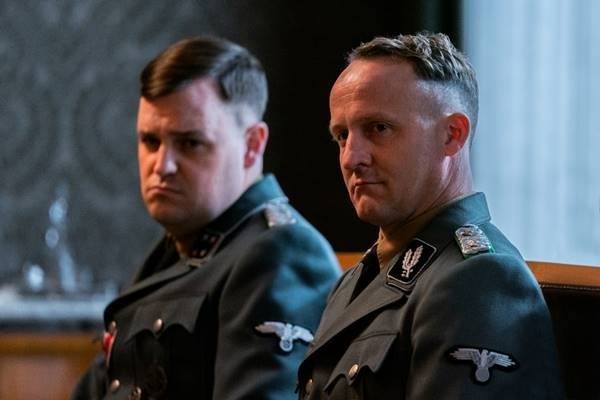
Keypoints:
pixel 363 119
pixel 187 133
pixel 333 128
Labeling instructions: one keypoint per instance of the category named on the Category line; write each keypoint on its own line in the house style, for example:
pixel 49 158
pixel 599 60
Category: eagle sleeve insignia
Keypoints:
pixel 287 333
pixel 483 360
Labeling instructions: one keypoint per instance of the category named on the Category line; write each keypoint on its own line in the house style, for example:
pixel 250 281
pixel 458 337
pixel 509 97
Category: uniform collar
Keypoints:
pixel 471 209
pixel 262 191
pixel 210 237
pixel 401 236
pixel 407 266
pixel 252 200
pixel 164 263
pixel 439 233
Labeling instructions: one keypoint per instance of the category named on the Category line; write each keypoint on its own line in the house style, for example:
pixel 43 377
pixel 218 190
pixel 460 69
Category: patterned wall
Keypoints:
pixel 69 202
pixel 70 211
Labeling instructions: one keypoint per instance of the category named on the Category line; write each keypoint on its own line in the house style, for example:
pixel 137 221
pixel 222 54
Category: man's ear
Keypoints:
pixel 256 141
pixel 458 130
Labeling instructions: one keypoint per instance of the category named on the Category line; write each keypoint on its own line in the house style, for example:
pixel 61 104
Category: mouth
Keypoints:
pixel 361 185
pixel 158 190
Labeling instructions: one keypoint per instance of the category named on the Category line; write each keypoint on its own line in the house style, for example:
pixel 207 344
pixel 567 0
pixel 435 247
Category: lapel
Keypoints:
pixel 339 315
pixel 159 278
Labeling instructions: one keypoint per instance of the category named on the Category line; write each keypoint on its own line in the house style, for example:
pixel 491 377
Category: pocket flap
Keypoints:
pixel 365 352
pixel 158 316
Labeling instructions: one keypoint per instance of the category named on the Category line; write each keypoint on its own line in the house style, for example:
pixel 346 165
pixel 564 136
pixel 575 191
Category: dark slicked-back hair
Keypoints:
pixel 239 75
pixel 434 58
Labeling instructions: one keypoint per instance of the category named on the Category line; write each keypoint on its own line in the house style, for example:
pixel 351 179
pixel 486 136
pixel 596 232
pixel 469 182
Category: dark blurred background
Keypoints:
pixel 71 219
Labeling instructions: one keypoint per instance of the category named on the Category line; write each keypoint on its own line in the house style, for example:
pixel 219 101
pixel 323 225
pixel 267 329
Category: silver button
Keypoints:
pixel 158 325
pixel 308 386
pixel 353 370
pixel 112 327
pixel 114 385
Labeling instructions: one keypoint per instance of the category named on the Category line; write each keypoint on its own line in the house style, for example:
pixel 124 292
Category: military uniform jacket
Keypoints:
pixel 214 326
pixel 438 323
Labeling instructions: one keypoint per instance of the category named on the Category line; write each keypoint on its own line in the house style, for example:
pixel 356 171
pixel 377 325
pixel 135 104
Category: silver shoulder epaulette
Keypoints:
pixel 472 240
pixel 278 212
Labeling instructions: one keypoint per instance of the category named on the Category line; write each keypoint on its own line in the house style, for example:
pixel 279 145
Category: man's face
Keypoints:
pixel 191 156
pixel 389 127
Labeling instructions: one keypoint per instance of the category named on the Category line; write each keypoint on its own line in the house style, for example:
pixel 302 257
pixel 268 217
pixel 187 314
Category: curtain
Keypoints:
pixel 536 152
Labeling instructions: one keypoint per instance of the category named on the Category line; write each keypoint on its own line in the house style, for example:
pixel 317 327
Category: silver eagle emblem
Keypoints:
pixel 483 360
pixel 287 333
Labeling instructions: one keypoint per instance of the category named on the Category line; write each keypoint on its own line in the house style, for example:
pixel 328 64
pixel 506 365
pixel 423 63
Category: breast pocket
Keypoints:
pixel 360 362
pixel 159 317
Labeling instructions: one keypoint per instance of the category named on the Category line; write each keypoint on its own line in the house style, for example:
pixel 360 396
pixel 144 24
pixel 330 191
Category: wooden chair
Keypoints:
pixel 572 293
pixel 573 296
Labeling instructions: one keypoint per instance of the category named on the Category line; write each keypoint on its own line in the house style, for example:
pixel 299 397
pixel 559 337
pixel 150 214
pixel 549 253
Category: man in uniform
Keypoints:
pixel 443 305
pixel 227 302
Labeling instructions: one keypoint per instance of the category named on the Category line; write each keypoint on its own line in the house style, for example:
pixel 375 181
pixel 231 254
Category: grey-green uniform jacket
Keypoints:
pixel 438 323
pixel 232 322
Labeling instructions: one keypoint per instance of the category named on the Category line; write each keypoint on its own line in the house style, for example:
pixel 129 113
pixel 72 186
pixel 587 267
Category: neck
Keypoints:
pixel 185 239
pixel 395 237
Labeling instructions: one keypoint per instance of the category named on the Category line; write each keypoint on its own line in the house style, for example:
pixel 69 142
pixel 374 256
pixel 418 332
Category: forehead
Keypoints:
pixel 382 85
pixel 196 102
pixel 378 75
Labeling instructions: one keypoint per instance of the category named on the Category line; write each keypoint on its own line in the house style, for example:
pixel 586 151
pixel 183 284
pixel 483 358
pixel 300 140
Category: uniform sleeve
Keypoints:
pixel 489 302
pixel 284 277
pixel 92 384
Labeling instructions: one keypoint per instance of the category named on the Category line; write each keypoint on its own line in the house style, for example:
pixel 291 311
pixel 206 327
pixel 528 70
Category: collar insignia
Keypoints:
pixel 278 212
pixel 472 240
pixel 409 266
pixel 286 333
pixel 204 247
pixel 483 360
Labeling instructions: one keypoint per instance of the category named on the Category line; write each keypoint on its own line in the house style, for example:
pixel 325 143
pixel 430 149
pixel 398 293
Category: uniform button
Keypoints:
pixel 112 327
pixel 353 370
pixel 136 394
pixel 308 386
pixel 158 325
pixel 114 385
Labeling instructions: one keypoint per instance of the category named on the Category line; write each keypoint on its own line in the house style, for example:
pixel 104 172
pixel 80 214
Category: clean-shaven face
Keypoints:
pixel 391 139
pixel 191 156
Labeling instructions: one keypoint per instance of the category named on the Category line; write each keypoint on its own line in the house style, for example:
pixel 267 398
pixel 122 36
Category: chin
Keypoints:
pixel 164 215
pixel 370 216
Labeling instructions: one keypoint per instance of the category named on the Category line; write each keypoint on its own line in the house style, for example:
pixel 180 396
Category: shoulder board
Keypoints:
pixel 472 240
pixel 279 213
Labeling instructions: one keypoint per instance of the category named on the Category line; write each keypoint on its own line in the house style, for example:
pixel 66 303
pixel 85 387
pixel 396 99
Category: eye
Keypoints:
pixel 379 127
pixel 189 143
pixel 340 136
pixel 150 141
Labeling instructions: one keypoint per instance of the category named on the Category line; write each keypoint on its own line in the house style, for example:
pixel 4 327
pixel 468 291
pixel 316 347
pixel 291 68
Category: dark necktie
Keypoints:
pixel 370 269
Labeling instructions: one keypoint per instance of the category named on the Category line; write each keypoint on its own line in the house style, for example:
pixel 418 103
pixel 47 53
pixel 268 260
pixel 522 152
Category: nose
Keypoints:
pixel 355 153
pixel 166 161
